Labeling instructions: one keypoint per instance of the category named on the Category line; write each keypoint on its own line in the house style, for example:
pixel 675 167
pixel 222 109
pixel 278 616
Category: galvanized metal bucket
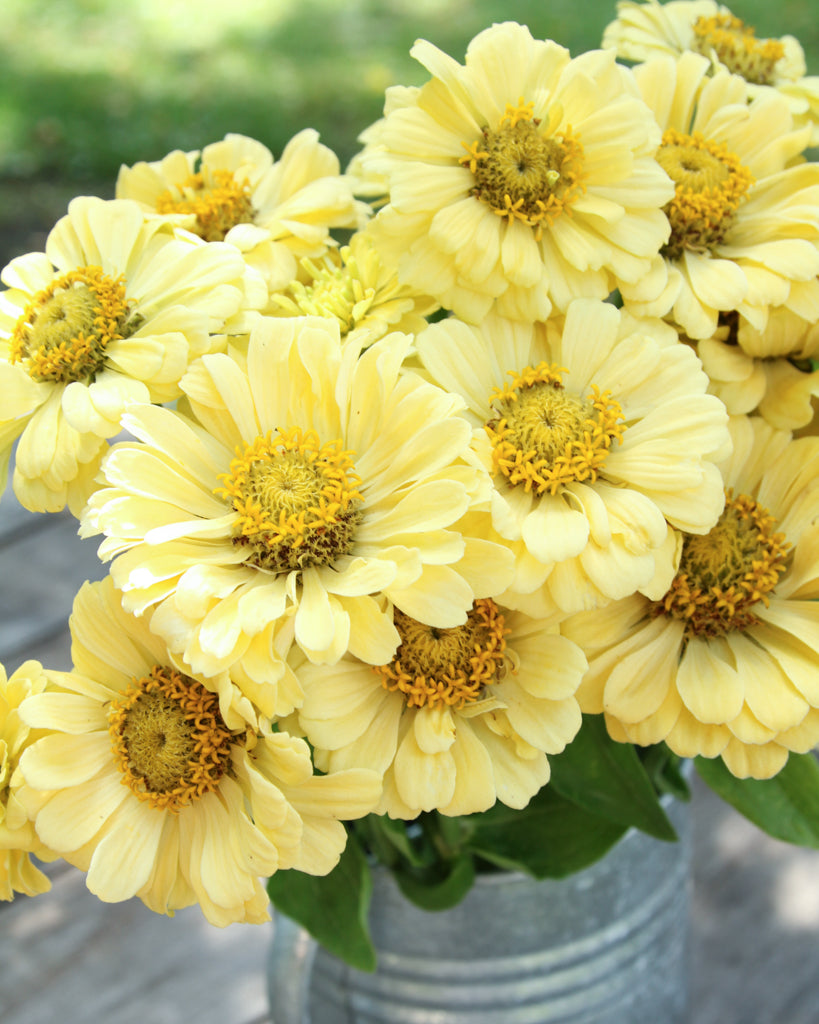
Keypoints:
pixel 608 945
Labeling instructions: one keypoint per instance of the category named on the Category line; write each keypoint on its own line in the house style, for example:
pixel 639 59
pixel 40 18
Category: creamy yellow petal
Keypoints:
pixel 710 686
pixel 124 858
pixel 376 748
pixel 440 597
pixel 474 775
pixel 517 779
pixel 547 725
pixel 373 637
pixel 756 762
pixel 73 817
pixel 641 678
pixel 554 531
pixel 72 713
pixel 424 781
pixel 435 729
pixel 58 761
pixel 770 695
pixel 692 738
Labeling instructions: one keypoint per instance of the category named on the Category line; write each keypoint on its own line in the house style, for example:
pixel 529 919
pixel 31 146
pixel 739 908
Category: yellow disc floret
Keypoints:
pixel 66 328
pixel 525 170
pixel 296 500
pixel 544 437
pixel 737 47
pixel 724 573
pixel 169 740
pixel 218 201
pixel 710 183
pixel 447 668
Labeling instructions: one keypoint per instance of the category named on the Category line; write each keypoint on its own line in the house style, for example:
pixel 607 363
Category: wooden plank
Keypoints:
pixel 755 916
pixel 42 572
pixel 43 563
pixel 70 958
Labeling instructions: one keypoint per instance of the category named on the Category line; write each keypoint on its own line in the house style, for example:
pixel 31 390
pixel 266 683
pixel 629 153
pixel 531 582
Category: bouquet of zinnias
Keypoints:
pixel 497 505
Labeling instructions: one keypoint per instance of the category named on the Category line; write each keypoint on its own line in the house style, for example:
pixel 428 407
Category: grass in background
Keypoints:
pixel 90 84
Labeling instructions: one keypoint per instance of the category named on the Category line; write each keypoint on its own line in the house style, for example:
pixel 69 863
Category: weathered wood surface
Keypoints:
pixel 66 957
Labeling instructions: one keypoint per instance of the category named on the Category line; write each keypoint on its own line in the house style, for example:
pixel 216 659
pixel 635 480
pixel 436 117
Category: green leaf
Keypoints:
pixel 786 806
pixel 665 769
pixel 608 780
pixel 396 832
pixel 438 894
pixel 334 907
pixel 550 838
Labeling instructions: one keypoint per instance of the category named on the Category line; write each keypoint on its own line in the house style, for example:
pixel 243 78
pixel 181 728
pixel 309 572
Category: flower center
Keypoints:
pixel 543 437
pixel 296 500
pixel 169 740
pixel 523 170
pixel 65 329
pixel 724 573
pixel 439 668
pixel 737 47
pixel 336 291
pixel 218 203
pixel 710 183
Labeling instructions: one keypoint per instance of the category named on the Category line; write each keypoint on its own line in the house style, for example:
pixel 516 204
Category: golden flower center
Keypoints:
pixel 440 668
pixel 525 170
pixel 544 437
pixel 218 201
pixel 65 329
pixel 724 573
pixel 297 500
pixel 710 183
pixel 169 740
pixel 737 47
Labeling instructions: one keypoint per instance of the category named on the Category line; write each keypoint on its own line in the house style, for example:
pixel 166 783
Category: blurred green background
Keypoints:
pixel 86 85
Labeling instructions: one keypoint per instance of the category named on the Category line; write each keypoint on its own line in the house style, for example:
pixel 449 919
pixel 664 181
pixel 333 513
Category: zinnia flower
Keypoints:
pixel 275 212
pixel 111 313
pixel 769 371
pixel 310 481
pixel 726 662
pixel 354 287
pixel 598 432
pixel 17 837
pixel 523 176
pixel 648 29
pixel 745 216
pixel 139 781
pixel 458 718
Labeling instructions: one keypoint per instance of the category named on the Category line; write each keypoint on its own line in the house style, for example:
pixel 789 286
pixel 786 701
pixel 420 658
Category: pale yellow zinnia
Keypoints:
pixel 111 313
pixel 597 432
pixel 770 372
pixel 726 662
pixel 647 29
pixel 18 839
pixel 458 719
pixel 522 178
pixel 353 286
pixel 138 780
pixel 310 482
pixel 745 215
pixel 274 211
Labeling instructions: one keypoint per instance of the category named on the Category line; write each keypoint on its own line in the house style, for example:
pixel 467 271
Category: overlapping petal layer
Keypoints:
pixel 137 777
pixel 725 663
pixel 521 179
pixel 311 485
